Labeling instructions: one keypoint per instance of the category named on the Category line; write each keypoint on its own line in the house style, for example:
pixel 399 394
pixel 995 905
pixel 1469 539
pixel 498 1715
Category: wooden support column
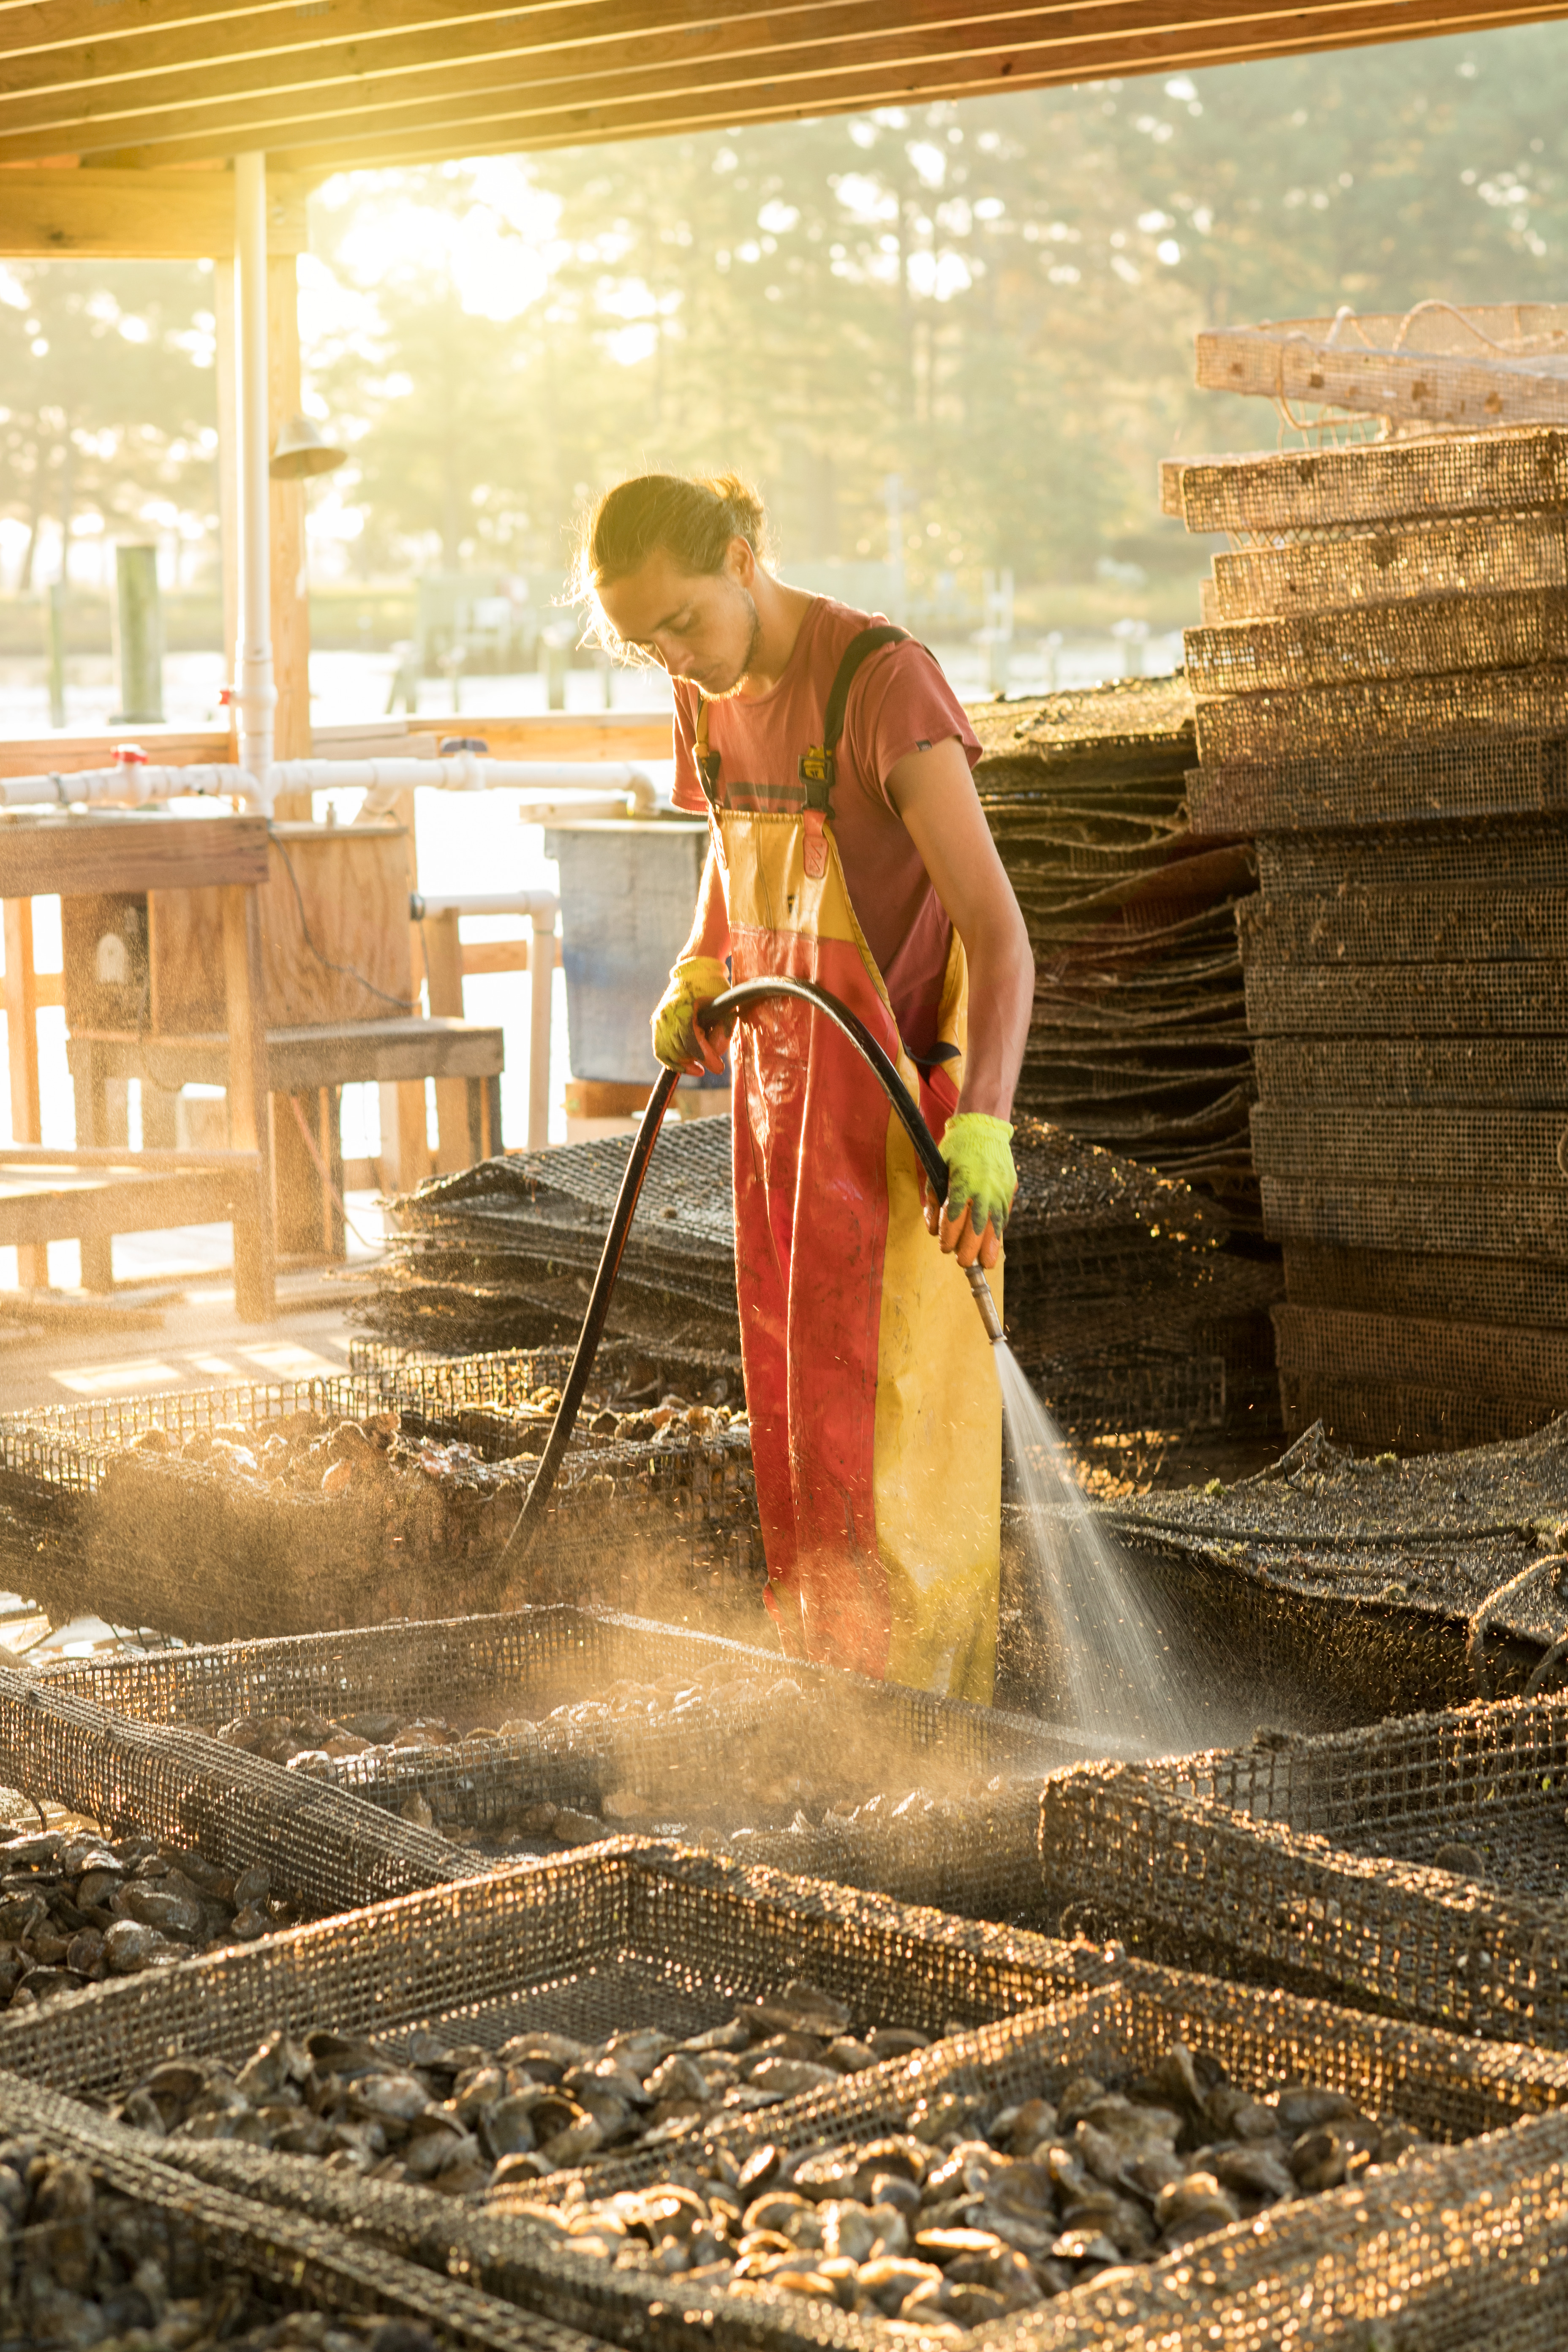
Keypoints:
pixel 250 1126
pixel 22 1060
pixel 290 600
pixel 443 963
pixel 290 595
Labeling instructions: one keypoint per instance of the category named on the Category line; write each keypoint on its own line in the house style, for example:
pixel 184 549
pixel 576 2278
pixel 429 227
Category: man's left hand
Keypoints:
pixel 980 1182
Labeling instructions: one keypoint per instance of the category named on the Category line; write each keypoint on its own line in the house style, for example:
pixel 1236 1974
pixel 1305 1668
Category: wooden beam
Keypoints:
pixel 149 215
pixel 1156 51
pixel 444 983
pixel 650 85
pixel 63 755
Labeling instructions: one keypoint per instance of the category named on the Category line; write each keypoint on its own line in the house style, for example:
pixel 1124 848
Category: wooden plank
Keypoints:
pixel 494 955
pixel 101 1206
pixel 63 755
pixel 225 371
pixel 290 600
pixel 49 213
pixel 70 854
pixel 345 885
pixel 628 95
pixel 22 1060
pixel 334 1054
pixel 102 1157
pixel 575 735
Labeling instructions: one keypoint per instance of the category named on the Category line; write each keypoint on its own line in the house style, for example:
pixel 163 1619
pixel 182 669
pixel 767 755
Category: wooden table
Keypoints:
pixel 97 1192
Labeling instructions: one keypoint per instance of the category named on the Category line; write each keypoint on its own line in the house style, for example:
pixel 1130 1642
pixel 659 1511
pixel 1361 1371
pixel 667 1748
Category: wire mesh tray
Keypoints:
pixel 742 1735
pixel 324 1848
pixel 1495 1363
pixel 216 2247
pixel 153 1540
pixel 1403 1281
pixel 1518 1150
pixel 1189 1882
pixel 1408 1417
pixel 1523 471
pixel 1407 923
pixel 741 1934
pixel 1414 1073
pixel 1488 854
pixel 1378 787
pixel 1334 720
pixel 1382 567
pixel 1506 629
pixel 1519 1000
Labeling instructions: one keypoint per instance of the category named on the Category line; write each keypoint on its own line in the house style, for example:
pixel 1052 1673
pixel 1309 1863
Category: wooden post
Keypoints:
pixel 227 368
pixel 250 1127
pixel 138 636
pixel 444 964
pixel 22 1060
pixel 542 961
pixel 290 596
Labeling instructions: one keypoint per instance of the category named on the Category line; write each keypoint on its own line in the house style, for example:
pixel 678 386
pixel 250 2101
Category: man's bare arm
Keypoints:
pixel 934 794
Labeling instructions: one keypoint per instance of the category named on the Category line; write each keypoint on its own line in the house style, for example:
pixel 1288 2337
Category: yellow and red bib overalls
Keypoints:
pixel 875 1409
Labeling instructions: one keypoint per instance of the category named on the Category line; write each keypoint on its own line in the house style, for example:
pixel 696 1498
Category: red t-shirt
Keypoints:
pixel 899 703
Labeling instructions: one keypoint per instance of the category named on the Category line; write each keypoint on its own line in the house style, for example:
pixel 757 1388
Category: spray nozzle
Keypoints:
pixel 986 1304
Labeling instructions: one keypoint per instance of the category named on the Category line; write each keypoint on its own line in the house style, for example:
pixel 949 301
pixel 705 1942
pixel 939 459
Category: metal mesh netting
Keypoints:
pixel 1376 786
pixel 206 1549
pixel 205 2235
pixel 741 1934
pixel 1381 567
pixel 1450 1383
pixel 1443 1534
pixel 1121 1300
pixel 1458 924
pixel 1506 629
pixel 1523 471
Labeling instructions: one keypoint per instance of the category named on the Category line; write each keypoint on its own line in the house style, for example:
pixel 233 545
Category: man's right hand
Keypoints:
pixel 678 1042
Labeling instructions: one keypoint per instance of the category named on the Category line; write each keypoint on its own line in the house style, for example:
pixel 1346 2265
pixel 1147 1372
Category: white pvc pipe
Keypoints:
pixel 128 786
pixel 536 906
pixel 467 771
pixel 255 691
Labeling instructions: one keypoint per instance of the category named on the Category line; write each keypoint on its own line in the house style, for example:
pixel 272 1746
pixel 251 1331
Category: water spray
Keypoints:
pixel 722 1009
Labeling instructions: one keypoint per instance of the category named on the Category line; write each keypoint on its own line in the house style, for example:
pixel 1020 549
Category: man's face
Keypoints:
pixel 699 626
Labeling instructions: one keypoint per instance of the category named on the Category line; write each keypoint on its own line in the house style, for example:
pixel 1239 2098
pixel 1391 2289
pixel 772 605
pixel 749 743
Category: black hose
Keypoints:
pixel 721 1009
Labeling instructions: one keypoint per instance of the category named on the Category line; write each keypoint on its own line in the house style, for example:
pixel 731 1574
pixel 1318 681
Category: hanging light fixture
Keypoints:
pixel 300 452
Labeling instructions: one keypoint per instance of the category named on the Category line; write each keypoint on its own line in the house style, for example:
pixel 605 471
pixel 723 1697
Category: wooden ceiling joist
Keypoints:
pixel 350 83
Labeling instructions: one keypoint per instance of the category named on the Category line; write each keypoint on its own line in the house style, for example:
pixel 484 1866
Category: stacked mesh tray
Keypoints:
pixel 1139 1036
pixel 144 1539
pixel 1383 700
pixel 1124 1303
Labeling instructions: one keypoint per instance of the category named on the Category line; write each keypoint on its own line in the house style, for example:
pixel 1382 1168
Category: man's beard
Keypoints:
pixel 724 694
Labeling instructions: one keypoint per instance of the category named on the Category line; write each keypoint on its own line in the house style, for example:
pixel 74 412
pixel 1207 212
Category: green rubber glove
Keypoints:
pixel 980 1171
pixel 675 1038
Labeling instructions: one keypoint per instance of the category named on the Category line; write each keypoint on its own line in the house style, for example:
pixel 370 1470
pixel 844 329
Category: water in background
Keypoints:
pixel 1121 1684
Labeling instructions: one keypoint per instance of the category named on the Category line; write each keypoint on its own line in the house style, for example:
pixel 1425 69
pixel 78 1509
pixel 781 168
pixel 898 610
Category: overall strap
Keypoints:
pixel 816 766
pixel 705 761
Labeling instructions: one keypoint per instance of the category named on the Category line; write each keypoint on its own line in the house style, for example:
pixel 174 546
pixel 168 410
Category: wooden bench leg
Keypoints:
pixel 249 1125
pixel 22 1058
pixel 91 1129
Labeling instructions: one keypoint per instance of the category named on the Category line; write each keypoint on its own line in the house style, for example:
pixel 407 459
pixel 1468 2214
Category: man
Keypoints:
pixel 848 846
